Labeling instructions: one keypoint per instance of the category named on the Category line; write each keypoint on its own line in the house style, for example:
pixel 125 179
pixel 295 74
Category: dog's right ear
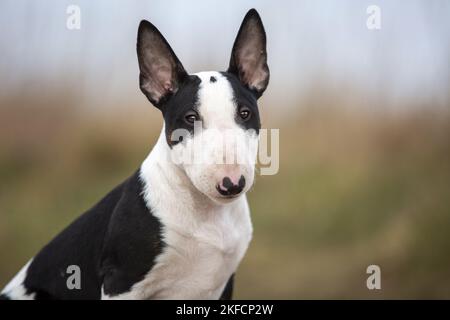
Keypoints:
pixel 161 71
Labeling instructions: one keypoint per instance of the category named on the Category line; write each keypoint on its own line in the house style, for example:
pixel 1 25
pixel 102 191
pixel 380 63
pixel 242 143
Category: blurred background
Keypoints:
pixel 364 119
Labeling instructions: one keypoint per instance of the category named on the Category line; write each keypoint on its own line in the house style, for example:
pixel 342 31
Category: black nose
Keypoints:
pixel 228 188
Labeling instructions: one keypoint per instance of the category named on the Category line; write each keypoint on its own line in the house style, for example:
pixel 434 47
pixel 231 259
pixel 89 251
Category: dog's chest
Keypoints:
pixel 198 259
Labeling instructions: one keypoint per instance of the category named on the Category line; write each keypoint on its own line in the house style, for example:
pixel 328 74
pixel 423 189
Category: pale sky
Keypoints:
pixel 308 41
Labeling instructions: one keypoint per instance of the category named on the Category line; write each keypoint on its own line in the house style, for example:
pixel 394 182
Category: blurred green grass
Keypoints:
pixel 354 188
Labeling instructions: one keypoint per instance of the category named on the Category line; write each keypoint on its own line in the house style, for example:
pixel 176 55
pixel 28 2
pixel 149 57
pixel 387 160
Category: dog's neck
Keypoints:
pixel 167 188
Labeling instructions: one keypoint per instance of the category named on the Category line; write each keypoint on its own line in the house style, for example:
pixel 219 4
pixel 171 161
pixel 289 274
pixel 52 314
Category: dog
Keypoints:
pixel 174 229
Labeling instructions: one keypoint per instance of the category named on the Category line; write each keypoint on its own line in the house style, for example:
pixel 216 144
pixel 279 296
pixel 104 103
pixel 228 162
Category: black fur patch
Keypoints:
pixel 175 109
pixel 106 249
pixel 212 79
pixel 186 98
pixel 227 293
pixel 244 97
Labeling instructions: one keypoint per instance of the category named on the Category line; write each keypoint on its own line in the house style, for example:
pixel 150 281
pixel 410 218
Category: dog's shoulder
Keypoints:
pixel 113 242
pixel 80 245
pixel 132 242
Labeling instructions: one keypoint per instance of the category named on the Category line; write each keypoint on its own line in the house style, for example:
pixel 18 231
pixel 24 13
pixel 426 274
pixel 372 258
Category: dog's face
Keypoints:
pixel 211 118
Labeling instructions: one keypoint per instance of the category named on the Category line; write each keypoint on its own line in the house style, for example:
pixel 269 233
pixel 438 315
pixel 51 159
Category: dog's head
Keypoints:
pixel 211 119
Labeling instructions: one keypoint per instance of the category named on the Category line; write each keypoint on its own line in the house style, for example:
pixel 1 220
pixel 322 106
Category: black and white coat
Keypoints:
pixel 173 230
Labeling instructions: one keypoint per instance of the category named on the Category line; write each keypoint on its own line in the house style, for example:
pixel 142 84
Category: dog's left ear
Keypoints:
pixel 161 71
pixel 249 57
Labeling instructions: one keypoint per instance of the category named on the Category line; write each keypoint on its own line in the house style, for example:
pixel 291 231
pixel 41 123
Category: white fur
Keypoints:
pixel 217 109
pixel 15 289
pixel 204 239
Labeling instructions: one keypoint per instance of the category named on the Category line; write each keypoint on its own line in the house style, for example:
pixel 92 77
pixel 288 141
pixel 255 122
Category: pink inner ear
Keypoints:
pixel 252 68
pixel 163 74
pixel 168 86
pixel 163 80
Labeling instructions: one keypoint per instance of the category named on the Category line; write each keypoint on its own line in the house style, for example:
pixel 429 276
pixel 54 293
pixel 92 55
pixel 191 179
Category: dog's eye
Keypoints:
pixel 245 113
pixel 191 117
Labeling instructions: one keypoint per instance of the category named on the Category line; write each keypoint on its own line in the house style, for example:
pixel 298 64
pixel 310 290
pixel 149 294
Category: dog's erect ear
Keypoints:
pixel 161 71
pixel 249 57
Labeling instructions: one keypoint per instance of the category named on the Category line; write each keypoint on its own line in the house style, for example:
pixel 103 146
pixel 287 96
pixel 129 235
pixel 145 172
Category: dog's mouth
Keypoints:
pixel 227 194
pixel 223 200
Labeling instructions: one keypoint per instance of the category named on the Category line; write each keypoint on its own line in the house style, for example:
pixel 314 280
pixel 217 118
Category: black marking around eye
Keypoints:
pixel 178 105
pixel 212 79
pixel 244 97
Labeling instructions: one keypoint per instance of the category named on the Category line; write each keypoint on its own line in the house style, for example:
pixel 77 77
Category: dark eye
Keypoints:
pixel 191 116
pixel 244 113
